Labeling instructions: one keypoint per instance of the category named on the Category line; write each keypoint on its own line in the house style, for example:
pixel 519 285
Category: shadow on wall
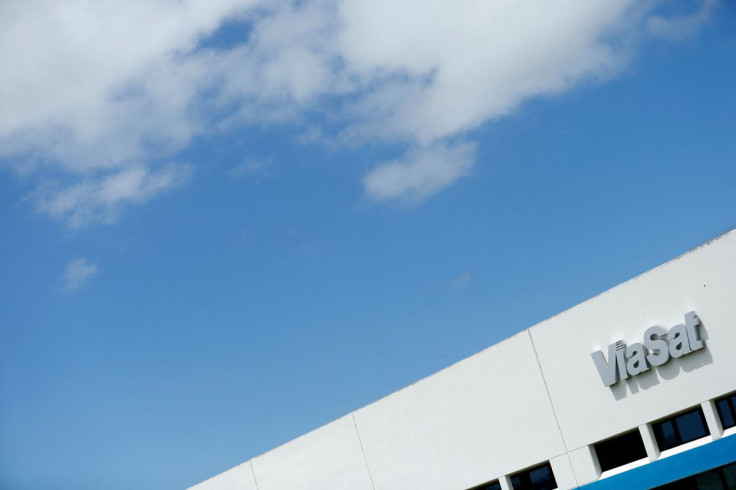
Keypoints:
pixel 670 370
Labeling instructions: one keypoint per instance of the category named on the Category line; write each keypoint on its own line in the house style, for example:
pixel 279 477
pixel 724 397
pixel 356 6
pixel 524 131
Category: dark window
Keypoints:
pixel 723 478
pixel 729 474
pixel 491 485
pixel 620 450
pixel 680 429
pixel 537 478
pixel 727 411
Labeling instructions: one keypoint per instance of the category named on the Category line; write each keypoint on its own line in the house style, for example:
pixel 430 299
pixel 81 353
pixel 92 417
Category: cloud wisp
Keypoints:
pixel 249 167
pixel 462 280
pixel 104 91
pixel 77 274
pixel 421 173
pixel 679 27
pixel 102 199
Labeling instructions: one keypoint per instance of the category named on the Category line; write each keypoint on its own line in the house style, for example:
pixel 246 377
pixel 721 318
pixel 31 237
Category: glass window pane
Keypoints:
pixel 691 426
pixel 729 472
pixel 541 477
pixel 493 485
pixel 726 414
pixel 538 478
pixel 620 450
pixel 665 435
pixel 708 481
pixel 517 483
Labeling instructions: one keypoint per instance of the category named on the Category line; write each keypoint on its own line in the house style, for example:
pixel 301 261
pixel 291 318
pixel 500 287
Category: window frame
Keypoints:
pixel 672 419
pixel 642 449
pixel 730 400
pixel 525 474
pixel 487 485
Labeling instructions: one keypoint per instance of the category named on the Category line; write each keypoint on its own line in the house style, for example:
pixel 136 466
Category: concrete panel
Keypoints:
pixel 650 442
pixel 564 476
pixel 713 419
pixel 238 478
pixel 327 458
pixel 468 424
pixel 703 281
pixel 585 465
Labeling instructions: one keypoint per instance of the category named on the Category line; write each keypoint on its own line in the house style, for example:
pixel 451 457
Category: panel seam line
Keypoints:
pixel 362 450
pixel 253 472
pixel 552 405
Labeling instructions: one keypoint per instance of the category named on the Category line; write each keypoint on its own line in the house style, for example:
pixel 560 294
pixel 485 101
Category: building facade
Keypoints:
pixel 631 389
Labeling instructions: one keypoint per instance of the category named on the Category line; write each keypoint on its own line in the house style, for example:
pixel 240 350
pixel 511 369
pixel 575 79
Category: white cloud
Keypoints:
pixel 88 83
pixel 679 27
pixel 77 274
pixel 249 167
pixel 102 199
pixel 469 61
pixel 462 280
pixel 100 89
pixel 421 173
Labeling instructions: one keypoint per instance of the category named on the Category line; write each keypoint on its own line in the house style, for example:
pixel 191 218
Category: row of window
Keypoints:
pixel 629 447
pixel 669 433
pixel 536 478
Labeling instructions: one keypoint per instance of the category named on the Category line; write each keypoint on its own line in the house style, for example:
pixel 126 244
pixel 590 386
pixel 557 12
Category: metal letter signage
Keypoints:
pixel 658 347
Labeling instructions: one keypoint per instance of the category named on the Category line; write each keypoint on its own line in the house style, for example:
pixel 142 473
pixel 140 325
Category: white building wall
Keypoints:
pixel 533 398
pixel 446 431
pixel 703 281
pixel 328 458
pixel 238 478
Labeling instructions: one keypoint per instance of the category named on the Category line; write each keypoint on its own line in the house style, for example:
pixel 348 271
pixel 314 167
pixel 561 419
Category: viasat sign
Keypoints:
pixel 658 347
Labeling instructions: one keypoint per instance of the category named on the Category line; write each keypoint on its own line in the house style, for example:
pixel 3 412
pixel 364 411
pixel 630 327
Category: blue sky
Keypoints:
pixel 224 224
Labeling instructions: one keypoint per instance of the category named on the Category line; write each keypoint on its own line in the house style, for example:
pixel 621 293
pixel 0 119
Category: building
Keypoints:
pixel 593 398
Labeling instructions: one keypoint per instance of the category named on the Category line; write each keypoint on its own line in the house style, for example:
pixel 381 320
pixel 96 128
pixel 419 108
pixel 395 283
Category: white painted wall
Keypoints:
pixel 446 431
pixel 238 478
pixel 531 398
pixel 703 281
pixel 328 458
